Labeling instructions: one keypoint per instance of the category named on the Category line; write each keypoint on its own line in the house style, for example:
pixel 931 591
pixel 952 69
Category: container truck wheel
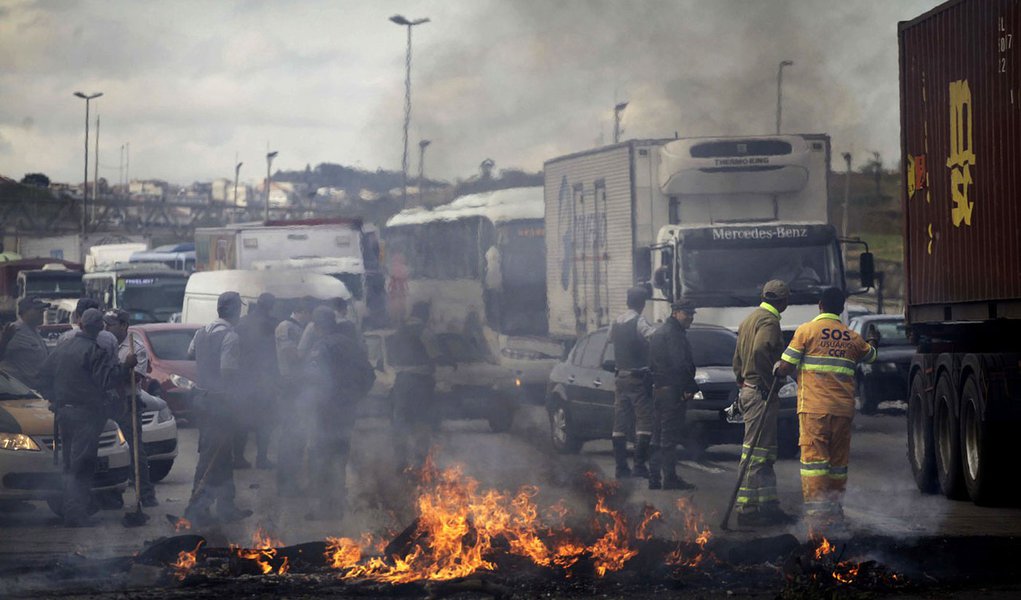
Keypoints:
pixel 977 449
pixel 921 453
pixel 947 430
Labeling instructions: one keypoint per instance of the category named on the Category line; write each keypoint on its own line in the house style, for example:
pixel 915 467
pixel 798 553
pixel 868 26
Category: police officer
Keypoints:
pixel 633 412
pixel 293 398
pixel 78 378
pixel 414 415
pixel 673 376
pixel 117 322
pixel 217 357
pixel 342 375
pixel 22 349
pixel 759 345
pixel 257 339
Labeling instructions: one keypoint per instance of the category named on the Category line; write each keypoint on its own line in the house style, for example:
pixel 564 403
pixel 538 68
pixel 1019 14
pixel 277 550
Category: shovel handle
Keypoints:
pixel 135 434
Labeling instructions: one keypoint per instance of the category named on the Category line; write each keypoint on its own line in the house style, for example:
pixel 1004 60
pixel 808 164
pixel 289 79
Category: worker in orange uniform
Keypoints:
pixel 824 352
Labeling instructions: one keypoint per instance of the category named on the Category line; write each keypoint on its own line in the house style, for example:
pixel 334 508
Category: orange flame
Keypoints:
pixel 182 524
pixel 825 547
pixel 262 551
pixel 185 561
pixel 649 514
pixel 696 531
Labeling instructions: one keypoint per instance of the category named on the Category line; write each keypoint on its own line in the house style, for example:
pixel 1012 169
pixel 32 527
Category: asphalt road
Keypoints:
pixel 881 499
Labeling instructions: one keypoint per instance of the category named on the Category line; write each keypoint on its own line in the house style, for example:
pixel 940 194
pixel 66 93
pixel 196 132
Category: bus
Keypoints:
pixel 478 263
pixel 151 293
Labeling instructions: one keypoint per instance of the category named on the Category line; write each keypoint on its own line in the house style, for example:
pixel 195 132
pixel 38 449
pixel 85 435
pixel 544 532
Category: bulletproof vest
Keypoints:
pixel 630 350
pixel 207 359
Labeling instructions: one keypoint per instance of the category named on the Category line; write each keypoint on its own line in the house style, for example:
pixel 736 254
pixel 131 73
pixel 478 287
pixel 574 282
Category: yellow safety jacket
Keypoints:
pixel 826 352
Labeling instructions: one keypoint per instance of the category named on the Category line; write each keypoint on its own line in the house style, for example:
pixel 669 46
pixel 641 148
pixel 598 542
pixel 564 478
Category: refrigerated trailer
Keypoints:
pixel 961 146
pixel 709 219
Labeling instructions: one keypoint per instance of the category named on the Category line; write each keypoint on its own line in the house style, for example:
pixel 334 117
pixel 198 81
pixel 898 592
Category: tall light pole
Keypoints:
pixel 85 184
pixel 617 111
pixel 400 20
pixel 847 193
pixel 269 180
pixel 779 96
pixel 237 172
pixel 422 145
pixel 95 172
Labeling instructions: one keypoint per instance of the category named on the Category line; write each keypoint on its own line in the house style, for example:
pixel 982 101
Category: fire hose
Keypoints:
pixel 746 461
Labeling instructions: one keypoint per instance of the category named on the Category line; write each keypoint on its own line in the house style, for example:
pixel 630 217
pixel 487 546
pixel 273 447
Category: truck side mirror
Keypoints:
pixel 867 270
pixel 661 281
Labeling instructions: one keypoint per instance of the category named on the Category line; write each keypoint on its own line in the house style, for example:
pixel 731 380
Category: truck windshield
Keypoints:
pixel 730 276
pixel 151 298
pixel 54 285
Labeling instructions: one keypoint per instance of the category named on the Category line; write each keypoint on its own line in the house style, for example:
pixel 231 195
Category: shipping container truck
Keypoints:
pixel 710 219
pixel 276 245
pixel 71 247
pixel 961 146
pixel 52 280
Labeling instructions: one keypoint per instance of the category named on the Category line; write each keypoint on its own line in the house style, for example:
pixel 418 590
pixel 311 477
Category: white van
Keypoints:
pixel 288 287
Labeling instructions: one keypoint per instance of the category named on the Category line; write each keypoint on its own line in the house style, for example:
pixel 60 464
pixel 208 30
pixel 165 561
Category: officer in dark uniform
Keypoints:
pixel 78 378
pixel 414 415
pixel 257 336
pixel 633 412
pixel 217 357
pixel 673 373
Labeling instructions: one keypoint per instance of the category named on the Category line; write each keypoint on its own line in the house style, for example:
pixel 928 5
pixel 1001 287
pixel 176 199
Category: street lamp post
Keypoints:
pixel 237 172
pixel 269 180
pixel 85 184
pixel 421 170
pixel 617 111
pixel 400 20
pixel 779 87
pixel 847 193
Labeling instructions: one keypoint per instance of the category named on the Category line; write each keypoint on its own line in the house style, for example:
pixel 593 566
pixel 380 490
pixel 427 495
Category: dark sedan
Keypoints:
pixel 579 398
pixel 886 378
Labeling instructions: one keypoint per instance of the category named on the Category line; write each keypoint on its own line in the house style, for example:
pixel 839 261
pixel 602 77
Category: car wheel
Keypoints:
pixel 787 438
pixel 921 444
pixel 562 434
pixel 868 403
pixel 158 470
pixel 947 431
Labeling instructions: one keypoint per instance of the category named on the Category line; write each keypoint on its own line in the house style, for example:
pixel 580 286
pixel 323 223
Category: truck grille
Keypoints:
pixel 148 417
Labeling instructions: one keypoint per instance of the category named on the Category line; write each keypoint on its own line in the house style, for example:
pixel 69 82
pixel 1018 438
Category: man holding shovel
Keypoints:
pixel 117 322
pixel 759 345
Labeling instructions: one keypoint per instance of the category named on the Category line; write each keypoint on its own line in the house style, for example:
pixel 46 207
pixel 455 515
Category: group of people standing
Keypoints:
pixel 303 374
pixel 655 379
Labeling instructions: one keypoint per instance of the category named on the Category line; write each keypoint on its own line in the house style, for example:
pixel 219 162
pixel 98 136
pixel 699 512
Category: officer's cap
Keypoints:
pixel 684 304
pixel 117 317
pixel 637 295
pixel 775 290
pixel 32 302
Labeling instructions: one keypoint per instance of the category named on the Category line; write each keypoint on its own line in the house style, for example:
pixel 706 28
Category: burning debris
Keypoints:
pixel 820 569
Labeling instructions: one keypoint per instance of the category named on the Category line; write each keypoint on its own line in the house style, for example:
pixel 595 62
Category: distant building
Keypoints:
pixel 147 189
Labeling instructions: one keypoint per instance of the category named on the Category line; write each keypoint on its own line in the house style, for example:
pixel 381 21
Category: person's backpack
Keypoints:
pixel 352 371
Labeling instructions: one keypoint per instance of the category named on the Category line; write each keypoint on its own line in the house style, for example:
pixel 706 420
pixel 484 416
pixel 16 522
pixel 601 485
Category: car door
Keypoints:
pixel 592 386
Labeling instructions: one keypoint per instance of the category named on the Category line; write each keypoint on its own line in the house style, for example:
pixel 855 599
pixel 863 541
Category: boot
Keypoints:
pixel 622 470
pixel 655 482
pixel 672 481
pixel 642 456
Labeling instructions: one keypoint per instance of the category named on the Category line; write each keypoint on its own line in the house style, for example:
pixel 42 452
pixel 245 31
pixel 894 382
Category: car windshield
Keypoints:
pixel 153 297
pixel 712 347
pixel 171 344
pixel 11 388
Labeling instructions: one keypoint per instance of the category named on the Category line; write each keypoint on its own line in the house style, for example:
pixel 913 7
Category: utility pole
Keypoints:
pixel 421 171
pixel 237 172
pixel 779 92
pixel 85 184
pixel 127 166
pixel 269 178
pixel 847 193
pixel 617 110
pixel 400 20
pixel 95 173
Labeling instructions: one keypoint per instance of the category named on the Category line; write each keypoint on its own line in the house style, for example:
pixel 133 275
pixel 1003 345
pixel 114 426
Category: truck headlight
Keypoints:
pixel 182 382
pixel 788 390
pixel 164 415
pixel 701 376
pixel 17 441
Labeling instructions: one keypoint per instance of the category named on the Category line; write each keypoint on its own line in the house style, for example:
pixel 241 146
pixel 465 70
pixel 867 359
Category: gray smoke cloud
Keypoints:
pixel 189 84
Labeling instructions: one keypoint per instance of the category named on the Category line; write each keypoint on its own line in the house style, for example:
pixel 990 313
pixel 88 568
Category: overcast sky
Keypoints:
pixel 189 84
